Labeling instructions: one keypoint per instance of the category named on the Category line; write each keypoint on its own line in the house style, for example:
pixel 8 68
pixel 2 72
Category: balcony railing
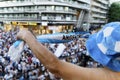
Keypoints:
pixel 98 21
pixel 99 5
pixel 98 10
pixel 42 2
pixel 99 16
pixel 104 2
pixel 38 11
pixel 32 19
pixel 19 19
pixel 86 1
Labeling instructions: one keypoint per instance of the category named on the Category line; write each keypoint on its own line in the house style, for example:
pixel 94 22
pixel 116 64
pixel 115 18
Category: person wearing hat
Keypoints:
pixel 103 47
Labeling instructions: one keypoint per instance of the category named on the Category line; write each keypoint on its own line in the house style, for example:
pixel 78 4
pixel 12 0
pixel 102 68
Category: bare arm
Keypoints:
pixel 66 70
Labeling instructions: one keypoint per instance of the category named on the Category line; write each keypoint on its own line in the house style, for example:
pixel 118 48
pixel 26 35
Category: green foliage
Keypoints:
pixel 114 12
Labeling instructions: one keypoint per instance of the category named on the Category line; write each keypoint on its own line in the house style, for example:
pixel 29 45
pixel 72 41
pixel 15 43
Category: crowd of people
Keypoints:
pixel 30 68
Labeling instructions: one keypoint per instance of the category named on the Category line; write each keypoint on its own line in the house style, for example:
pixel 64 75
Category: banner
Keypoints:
pixel 32 23
pixel 16 49
pixel 14 22
pixel 59 50
pixel 44 23
pixel 23 23
pixel 61 37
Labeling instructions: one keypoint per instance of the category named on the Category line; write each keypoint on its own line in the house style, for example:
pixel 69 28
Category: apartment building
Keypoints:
pixel 59 13
pixel 98 12
pixel 45 12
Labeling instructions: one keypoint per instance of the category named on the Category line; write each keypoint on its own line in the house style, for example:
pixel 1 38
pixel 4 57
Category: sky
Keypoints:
pixel 113 1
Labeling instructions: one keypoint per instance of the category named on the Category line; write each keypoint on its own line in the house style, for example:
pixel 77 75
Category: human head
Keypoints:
pixel 104 46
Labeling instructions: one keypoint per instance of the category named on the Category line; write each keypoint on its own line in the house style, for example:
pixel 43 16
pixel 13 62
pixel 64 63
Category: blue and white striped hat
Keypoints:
pixel 104 46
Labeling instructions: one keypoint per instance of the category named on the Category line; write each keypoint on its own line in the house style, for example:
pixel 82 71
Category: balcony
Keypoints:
pixel 65 3
pixel 38 11
pixel 32 19
pixel 98 16
pixel 98 21
pixel 103 1
pixel 98 10
pixel 45 2
pixel 86 1
pixel 57 18
pixel 99 5
pixel 18 19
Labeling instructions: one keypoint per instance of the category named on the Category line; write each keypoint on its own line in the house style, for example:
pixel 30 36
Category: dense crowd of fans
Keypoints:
pixel 30 68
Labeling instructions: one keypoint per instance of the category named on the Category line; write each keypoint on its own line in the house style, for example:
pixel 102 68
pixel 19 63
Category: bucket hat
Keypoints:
pixel 104 46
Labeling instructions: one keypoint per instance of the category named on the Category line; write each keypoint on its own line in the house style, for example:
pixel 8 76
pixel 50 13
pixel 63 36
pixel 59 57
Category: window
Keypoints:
pixel 41 7
pixel 66 8
pixel 48 8
pixel 53 7
pixel 59 8
pixel 58 17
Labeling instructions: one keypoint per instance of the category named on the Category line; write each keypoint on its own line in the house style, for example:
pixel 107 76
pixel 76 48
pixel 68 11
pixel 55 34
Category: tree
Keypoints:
pixel 114 12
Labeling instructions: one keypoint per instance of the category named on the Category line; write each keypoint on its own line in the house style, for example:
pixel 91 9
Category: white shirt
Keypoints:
pixel 8 76
pixel 41 77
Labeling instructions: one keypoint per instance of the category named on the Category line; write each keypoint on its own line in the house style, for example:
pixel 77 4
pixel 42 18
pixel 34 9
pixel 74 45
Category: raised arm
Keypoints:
pixel 65 70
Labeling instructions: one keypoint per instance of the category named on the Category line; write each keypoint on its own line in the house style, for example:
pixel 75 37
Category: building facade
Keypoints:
pixel 44 12
pixel 60 13
pixel 98 12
